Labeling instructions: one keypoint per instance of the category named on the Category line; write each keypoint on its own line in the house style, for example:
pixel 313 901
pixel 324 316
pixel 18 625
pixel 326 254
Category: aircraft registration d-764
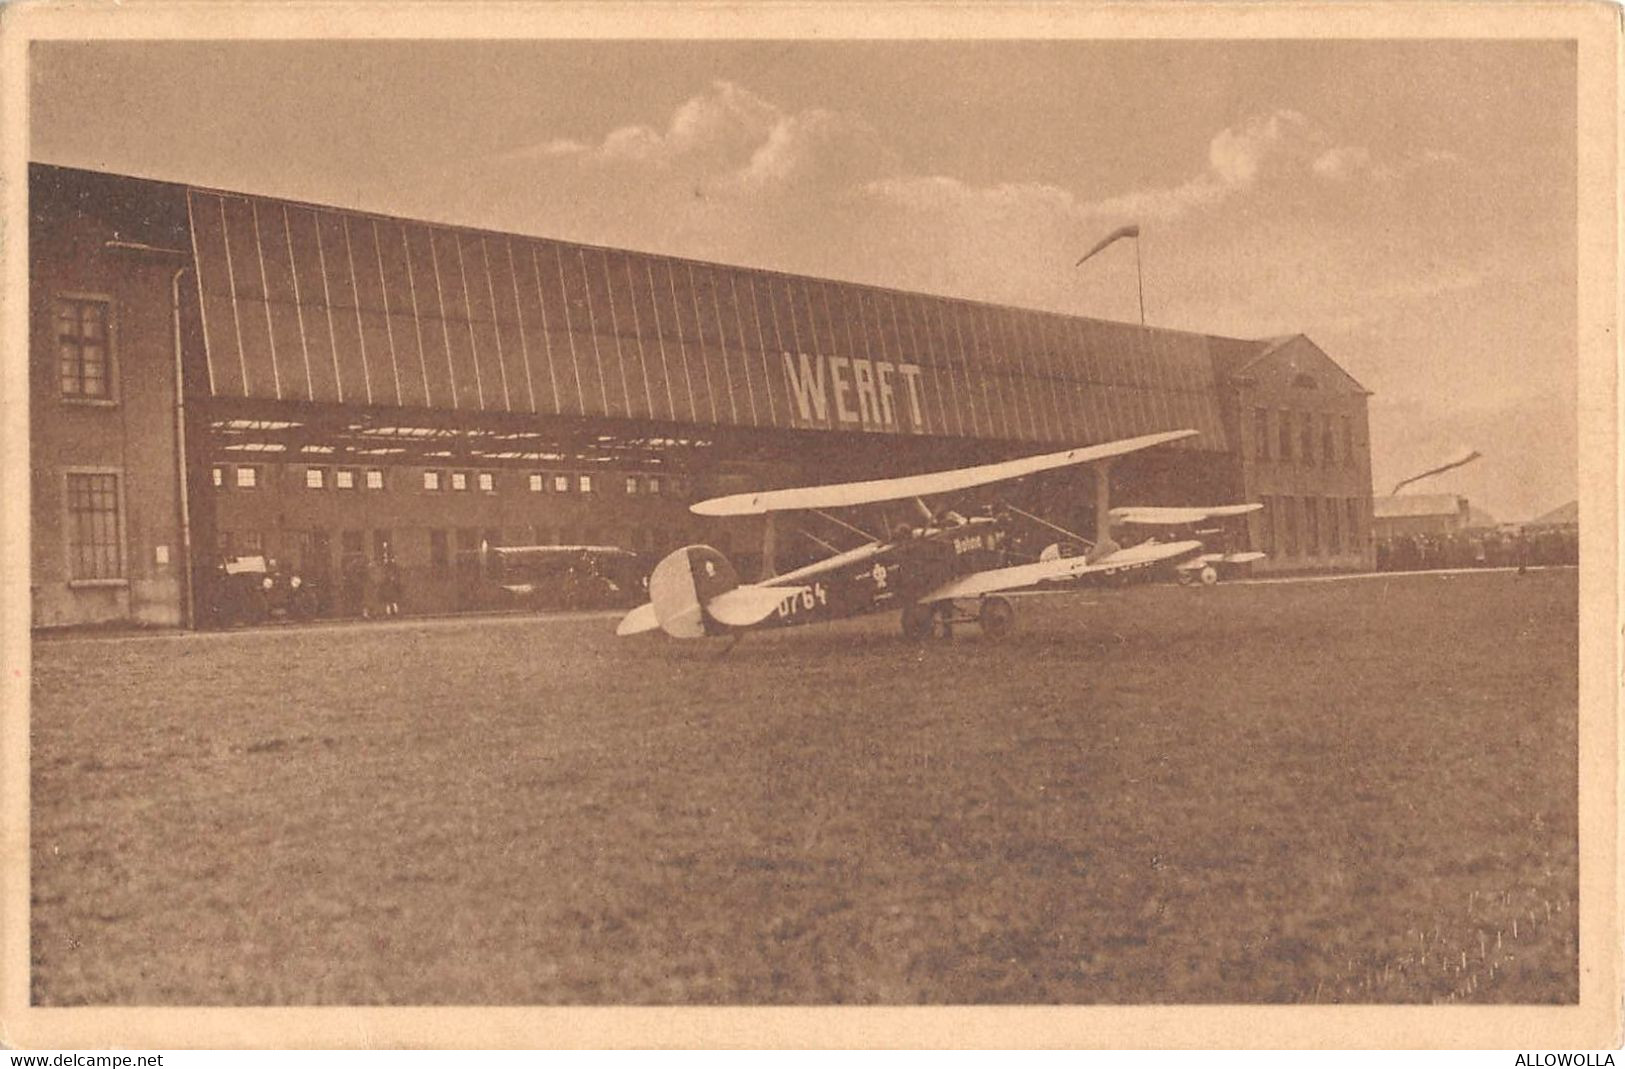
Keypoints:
pixel 946 570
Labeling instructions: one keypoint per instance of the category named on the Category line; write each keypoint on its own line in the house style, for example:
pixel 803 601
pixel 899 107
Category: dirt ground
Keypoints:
pixel 1351 791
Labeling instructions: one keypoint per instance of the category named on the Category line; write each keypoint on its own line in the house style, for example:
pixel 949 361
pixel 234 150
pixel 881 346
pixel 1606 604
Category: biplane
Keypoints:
pixel 1205 567
pixel 1208 566
pixel 940 570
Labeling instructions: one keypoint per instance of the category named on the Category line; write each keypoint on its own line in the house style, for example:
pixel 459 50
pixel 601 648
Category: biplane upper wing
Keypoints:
pixel 1157 516
pixel 1017 576
pixel 872 491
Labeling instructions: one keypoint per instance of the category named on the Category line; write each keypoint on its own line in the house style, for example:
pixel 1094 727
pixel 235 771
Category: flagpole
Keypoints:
pixel 1139 278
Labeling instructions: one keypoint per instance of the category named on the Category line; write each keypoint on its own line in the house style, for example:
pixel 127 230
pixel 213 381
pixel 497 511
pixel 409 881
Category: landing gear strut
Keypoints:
pixel 994 615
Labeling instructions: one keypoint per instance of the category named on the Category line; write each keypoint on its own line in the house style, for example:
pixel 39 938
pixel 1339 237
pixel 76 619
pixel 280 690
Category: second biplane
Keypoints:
pixel 944 570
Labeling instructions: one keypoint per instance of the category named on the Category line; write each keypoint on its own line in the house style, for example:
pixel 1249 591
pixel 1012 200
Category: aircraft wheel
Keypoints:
pixel 997 617
pixel 919 621
pixel 1210 575
pixel 1185 576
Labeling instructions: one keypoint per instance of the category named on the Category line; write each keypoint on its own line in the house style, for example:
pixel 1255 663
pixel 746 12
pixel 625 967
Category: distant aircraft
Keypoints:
pixel 1210 565
pixel 571 576
pixel 950 569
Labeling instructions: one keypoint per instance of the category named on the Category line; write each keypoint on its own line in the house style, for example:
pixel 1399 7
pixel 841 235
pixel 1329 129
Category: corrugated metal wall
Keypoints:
pixel 306 303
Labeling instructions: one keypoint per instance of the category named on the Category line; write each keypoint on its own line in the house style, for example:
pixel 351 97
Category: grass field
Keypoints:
pixel 1351 791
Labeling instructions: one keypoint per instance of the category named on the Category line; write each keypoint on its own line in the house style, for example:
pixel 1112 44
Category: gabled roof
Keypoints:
pixel 1560 516
pixel 1402 505
pixel 1269 347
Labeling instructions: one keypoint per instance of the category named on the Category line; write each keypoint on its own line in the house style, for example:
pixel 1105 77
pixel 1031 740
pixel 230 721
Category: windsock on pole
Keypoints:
pixel 1466 457
pixel 1130 231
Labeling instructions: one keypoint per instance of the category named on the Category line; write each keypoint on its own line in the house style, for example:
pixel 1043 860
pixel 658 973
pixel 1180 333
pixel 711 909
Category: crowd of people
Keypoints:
pixel 1479 549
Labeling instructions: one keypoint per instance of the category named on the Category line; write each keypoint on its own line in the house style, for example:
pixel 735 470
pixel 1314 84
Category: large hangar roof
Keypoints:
pixel 303 302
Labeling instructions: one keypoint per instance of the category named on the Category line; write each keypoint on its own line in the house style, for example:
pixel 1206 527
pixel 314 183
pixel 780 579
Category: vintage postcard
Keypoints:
pixel 925 524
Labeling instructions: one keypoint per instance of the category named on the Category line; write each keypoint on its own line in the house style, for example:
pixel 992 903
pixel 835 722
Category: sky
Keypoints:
pixel 1409 205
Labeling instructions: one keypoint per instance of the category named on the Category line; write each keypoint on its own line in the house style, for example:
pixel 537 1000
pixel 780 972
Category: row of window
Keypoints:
pixel 310 552
pixel 250 477
pixel 1301 437
pixel 1312 526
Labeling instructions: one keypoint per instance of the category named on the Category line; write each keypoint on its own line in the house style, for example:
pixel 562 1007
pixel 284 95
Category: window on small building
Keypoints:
pixel 1334 526
pixel 1311 527
pixel 375 479
pixel 1356 539
pixel 95 537
pixel 1289 524
pixel 1348 442
pixel 654 484
pixel 1307 451
pixel 431 480
pixel 224 542
pixel 459 480
pixel 1328 443
pixel 344 479
pixel 561 484
pixel 83 360
pixel 1283 425
pixel 584 484
pixel 218 474
pixel 488 482
pixel 1261 433
pixel 248 476
pixel 251 543
pixel 383 546
pixel 536 483
pixel 1305 381
pixel 631 484
pixel 315 478
pixel 1266 526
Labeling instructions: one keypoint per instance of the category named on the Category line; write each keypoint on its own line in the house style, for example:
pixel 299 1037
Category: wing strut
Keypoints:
pixel 1103 507
pixel 1054 527
pixel 770 543
pixel 859 531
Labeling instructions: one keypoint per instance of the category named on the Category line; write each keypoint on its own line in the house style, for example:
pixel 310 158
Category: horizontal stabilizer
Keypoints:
pixel 1156 516
pixel 1057 570
pixel 841 495
pixel 747 605
pixel 638 621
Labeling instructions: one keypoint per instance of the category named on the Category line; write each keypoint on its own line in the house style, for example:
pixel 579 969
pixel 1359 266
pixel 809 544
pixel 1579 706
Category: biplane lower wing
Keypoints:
pixel 1016 577
pixel 1222 558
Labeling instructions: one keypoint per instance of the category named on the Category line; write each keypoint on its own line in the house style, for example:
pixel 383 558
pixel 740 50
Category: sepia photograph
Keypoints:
pixel 787 511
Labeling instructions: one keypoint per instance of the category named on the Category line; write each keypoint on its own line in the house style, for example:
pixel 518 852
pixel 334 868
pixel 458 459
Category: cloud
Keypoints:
pixel 730 140
pixel 1343 162
pixel 817 147
pixel 1237 154
pixel 1261 148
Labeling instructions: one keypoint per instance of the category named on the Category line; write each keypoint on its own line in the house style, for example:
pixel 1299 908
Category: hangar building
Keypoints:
pixel 216 373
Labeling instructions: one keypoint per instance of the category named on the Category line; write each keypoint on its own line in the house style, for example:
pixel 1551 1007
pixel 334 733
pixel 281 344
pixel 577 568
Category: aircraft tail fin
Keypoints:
pixel 679 588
